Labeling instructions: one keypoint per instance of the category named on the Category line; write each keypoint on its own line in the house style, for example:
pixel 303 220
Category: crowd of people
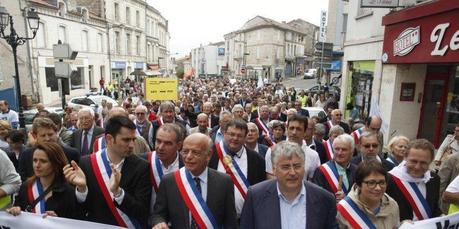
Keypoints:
pixel 226 154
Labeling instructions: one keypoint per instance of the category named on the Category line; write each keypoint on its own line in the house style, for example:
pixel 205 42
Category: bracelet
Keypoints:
pixel 118 194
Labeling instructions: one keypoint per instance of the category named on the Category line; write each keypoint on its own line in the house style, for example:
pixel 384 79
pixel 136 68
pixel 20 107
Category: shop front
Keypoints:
pixel 421 58
pixel 360 81
pixel 118 70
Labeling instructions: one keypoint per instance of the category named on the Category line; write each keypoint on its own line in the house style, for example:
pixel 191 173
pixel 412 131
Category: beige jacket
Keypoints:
pixel 387 218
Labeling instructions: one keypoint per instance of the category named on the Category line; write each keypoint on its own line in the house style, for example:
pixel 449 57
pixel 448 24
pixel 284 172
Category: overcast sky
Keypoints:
pixel 195 22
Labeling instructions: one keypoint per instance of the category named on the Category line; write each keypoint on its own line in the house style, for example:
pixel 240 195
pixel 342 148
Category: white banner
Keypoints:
pixel 36 221
pixel 444 222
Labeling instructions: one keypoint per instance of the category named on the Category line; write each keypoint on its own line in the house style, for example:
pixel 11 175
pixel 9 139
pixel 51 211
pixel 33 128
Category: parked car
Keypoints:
pixel 86 101
pixel 310 73
pixel 317 89
pixel 316 111
pixel 29 114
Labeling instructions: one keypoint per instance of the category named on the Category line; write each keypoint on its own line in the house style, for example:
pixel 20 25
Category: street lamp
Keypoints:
pixel 14 40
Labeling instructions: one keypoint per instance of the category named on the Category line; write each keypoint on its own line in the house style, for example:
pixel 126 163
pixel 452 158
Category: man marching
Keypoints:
pixel 113 185
pixel 195 196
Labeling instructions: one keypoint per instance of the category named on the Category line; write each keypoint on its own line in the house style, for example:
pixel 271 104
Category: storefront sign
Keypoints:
pixel 118 64
pixel 139 65
pixel 322 29
pixel 160 89
pixel 424 34
pixel 407 92
pixel 379 3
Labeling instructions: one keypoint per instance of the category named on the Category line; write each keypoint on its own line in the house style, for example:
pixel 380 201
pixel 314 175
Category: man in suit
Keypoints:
pixel 314 144
pixel 288 201
pixel 250 114
pixel 43 130
pixel 251 142
pixel 250 163
pixel 336 117
pixel 217 131
pixel 167 115
pixel 414 172
pixel 83 139
pixel 207 108
pixel 369 148
pixel 202 125
pixel 301 111
pixel 215 189
pixel 113 185
pixel 141 121
pixel 169 141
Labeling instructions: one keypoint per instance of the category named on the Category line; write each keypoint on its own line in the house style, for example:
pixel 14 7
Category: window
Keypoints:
pixel 128 44
pixel 62 34
pixel 128 15
pixel 117 12
pixel 77 79
pixel 137 18
pixel 51 80
pixel 40 39
pixel 278 53
pixel 117 42
pixel 137 45
pixel 362 12
pixel 84 40
pixel 147 27
pixel 258 35
pixel 100 42
pixel 62 9
pixel 278 35
pixel 258 52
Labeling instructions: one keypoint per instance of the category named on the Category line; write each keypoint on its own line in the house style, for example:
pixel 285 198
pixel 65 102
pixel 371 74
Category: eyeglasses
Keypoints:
pixel 339 114
pixel 372 183
pixel 288 167
pixel 374 146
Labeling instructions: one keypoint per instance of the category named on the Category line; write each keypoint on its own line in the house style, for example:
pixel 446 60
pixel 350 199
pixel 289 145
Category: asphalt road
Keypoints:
pixel 300 83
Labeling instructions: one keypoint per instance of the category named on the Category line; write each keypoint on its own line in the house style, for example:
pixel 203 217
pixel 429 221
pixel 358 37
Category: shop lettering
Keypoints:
pixel 437 36
pixel 406 41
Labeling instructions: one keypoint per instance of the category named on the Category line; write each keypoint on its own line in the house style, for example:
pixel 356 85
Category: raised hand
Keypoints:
pixel 75 176
pixel 115 180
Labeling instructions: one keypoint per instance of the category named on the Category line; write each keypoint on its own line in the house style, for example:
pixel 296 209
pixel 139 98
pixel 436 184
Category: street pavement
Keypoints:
pixel 299 83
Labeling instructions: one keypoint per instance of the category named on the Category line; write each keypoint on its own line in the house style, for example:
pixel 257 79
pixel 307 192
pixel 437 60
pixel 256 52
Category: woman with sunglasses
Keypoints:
pixel 46 192
pixel 367 205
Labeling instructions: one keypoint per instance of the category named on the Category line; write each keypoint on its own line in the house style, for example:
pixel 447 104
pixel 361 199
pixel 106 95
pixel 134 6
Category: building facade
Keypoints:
pixel 209 60
pixel 157 41
pixel 269 49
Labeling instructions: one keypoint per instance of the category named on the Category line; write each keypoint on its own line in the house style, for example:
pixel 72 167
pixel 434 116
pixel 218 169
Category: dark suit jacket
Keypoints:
pixel 303 112
pixel 135 181
pixel 256 165
pixel 262 210
pixel 262 149
pixel 77 135
pixel 214 121
pixel 154 128
pixel 170 207
pixel 25 167
pixel 320 149
pixel 320 180
pixel 386 165
pixel 344 125
pixel 432 197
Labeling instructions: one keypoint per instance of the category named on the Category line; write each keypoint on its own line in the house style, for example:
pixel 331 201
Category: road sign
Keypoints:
pixel 62 69
pixel 326 53
pixel 326 45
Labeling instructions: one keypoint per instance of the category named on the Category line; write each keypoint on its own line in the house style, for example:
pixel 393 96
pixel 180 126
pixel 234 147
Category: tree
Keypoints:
pixel 180 72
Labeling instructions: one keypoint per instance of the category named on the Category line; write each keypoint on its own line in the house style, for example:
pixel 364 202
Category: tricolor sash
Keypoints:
pixel 156 170
pixel 414 196
pixel 138 129
pixel 233 169
pixel 331 174
pixel 356 134
pixel 102 171
pixel 160 122
pixel 35 189
pixel 193 200
pixel 329 152
pixel 354 215
pixel 262 125
pixel 209 121
pixel 99 143
pixel 330 124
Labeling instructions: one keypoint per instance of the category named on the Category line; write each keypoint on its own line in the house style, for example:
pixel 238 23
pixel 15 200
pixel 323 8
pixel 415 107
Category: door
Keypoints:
pixel 433 107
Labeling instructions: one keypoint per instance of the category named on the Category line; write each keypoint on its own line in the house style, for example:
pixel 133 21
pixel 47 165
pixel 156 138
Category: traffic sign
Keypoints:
pixel 326 53
pixel 326 45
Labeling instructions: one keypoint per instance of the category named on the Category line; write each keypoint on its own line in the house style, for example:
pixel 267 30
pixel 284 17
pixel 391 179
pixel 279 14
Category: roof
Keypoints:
pixel 260 21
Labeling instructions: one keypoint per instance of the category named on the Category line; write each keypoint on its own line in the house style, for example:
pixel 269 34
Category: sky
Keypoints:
pixel 195 22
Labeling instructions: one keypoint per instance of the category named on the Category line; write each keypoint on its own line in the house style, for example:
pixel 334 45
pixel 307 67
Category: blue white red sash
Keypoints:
pixel 414 196
pixel 138 129
pixel 356 134
pixel 262 125
pixel 193 200
pixel 102 171
pixel 34 190
pixel 156 170
pixel 233 169
pixel 101 121
pixel 160 121
pixel 99 143
pixel 332 176
pixel 329 152
pixel 354 215
pixel 330 124
pixel 209 121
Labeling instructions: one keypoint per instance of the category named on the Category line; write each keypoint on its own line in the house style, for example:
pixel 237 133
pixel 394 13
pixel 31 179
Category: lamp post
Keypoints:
pixel 14 40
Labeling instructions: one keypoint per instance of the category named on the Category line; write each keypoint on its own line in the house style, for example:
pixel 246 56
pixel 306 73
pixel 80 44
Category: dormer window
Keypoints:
pixel 62 8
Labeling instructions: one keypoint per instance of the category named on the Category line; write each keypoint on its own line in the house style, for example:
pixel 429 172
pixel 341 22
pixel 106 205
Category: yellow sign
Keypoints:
pixel 161 89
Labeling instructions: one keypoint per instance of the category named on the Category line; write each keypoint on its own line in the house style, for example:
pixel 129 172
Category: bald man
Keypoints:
pixel 335 119
pixel 203 125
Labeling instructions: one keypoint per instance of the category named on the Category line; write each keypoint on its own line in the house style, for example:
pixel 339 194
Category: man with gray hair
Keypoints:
pixel 83 138
pixel 202 127
pixel 337 175
pixel 217 131
pixel 288 201
pixel 369 149
pixel 141 121
pixel 167 115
